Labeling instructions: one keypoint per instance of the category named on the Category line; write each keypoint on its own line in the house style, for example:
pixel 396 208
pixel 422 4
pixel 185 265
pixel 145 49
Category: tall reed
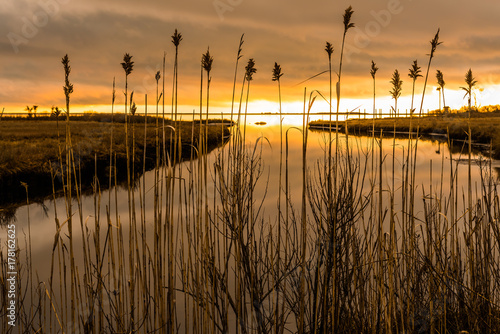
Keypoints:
pixel 414 74
pixel 347 25
pixel 434 44
pixel 347 16
pixel 128 66
pixel 276 76
pixel 396 83
pixel 441 83
pixel 68 90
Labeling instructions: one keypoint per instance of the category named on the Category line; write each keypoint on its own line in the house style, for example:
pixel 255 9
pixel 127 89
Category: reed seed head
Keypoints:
pixel 176 38
pixel 373 70
pixel 68 87
pixel 128 64
pixel 329 49
pixel 470 81
pixel 157 77
pixel 347 19
pixel 277 72
pixel 415 71
pixel 56 111
pixel 206 61
pixel 114 91
pixel 440 78
pixel 250 69
pixel 434 43
pixel 133 106
pixel 397 84
pixel 240 46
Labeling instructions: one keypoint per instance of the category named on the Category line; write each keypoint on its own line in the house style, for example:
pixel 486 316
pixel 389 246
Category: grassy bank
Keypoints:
pixel 485 127
pixel 31 148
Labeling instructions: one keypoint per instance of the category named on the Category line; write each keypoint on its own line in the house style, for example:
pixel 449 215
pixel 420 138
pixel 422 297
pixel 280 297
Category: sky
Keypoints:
pixel 36 34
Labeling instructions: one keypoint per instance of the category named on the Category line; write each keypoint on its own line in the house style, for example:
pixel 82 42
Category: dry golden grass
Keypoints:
pixel 28 148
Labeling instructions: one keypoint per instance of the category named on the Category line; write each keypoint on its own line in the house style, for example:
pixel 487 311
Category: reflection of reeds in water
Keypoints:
pixel 348 256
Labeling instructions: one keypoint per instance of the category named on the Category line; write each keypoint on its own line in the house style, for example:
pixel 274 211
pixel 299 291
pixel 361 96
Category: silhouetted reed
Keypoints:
pixel 441 83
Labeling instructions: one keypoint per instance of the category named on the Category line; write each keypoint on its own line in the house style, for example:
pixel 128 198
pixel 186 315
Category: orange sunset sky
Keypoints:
pixel 96 34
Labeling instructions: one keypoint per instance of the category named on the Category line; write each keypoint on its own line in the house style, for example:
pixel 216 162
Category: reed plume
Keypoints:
pixel 347 25
pixel 470 82
pixel 250 70
pixel 441 83
pixel 206 64
pixel 277 72
pixel 397 84
pixel 414 74
pixel 128 64
pixel 176 40
pixel 238 57
pixel 434 44
pixel 373 70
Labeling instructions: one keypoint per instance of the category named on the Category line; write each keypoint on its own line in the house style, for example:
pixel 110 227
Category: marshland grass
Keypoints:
pixel 30 148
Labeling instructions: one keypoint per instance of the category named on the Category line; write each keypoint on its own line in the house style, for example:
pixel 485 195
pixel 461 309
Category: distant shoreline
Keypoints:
pixel 485 128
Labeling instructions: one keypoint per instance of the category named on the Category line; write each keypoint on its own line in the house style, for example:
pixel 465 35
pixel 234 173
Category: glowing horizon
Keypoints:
pixel 454 99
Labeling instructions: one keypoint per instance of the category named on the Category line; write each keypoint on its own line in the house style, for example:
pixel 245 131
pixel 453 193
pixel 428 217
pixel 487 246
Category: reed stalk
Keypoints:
pixel 277 74
pixel 441 83
pixel 68 90
pixel 434 44
pixel 347 25
pixel 470 82
pixel 414 74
